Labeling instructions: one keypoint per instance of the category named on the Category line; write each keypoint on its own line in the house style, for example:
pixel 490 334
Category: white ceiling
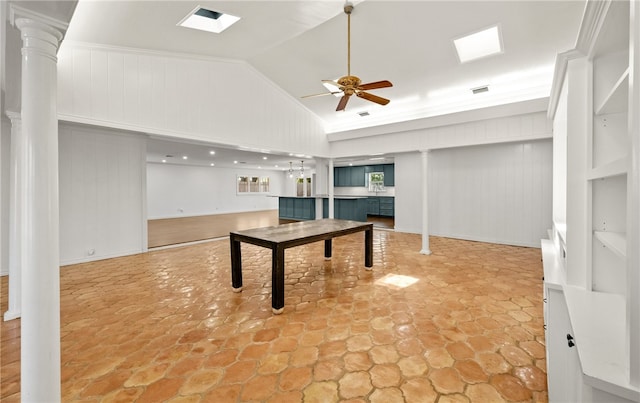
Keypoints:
pixel 296 44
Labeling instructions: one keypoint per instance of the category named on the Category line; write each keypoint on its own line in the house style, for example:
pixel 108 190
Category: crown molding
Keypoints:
pixel 592 21
pixel 559 73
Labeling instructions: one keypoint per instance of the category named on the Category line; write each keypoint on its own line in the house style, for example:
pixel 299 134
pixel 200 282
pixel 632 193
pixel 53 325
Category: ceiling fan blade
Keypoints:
pixel 322 94
pixel 331 82
pixel 375 85
pixel 372 98
pixel 343 103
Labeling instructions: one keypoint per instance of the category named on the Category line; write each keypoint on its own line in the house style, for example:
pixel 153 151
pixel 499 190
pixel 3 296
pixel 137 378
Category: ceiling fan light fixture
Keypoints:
pixel 350 85
pixel 208 20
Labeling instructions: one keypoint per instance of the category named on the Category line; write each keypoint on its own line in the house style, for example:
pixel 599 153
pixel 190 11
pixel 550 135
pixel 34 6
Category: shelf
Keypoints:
pixel 613 168
pixel 616 100
pixel 615 241
pixel 552 265
pixel 599 325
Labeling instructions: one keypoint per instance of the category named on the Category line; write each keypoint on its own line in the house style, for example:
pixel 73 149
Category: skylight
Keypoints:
pixel 208 20
pixel 478 45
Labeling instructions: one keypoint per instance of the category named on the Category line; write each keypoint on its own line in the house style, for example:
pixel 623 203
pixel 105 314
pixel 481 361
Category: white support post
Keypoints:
pixel 15 206
pixel 330 186
pixel 425 204
pixel 39 219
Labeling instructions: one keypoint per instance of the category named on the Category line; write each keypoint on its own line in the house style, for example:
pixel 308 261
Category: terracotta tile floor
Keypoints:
pixel 165 326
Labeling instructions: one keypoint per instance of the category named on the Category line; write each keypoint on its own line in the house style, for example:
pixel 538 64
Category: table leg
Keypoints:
pixel 236 265
pixel 277 280
pixel 327 249
pixel 368 248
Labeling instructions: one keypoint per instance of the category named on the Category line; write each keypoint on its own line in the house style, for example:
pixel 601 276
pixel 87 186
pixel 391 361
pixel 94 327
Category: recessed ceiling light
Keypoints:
pixel 212 152
pixel 264 158
pixel 184 157
pixel 363 114
pixel 235 162
pixel 208 20
pixel 164 160
pixel 480 44
pixel 212 164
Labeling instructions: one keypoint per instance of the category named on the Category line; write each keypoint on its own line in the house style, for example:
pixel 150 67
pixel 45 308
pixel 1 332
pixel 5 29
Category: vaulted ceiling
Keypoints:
pixel 298 43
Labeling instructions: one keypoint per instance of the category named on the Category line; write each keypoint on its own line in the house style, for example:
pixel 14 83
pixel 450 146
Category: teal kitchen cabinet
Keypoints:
pixel 387 206
pixel 297 208
pixel 347 209
pixel 357 176
pixel 389 174
pixel 342 176
pixel 373 206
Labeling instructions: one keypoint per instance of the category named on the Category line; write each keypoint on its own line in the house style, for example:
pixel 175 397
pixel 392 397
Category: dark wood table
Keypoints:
pixel 281 237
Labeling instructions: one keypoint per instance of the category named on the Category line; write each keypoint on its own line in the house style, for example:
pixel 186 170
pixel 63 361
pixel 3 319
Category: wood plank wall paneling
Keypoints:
pixel 499 193
pixel 102 194
pixel 197 98
pixel 516 128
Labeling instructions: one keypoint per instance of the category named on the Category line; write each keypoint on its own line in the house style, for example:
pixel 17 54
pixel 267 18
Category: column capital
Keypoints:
pixel 14 116
pixel 17 12
pixel 39 38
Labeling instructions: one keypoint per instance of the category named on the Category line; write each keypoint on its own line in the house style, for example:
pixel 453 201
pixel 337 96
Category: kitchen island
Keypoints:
pixel 305 208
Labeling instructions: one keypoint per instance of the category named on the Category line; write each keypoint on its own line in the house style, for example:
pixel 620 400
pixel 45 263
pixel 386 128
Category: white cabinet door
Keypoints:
pixel 564 374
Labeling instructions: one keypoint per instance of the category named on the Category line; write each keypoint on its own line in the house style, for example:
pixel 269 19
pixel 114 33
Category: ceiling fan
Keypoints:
pixel 350 85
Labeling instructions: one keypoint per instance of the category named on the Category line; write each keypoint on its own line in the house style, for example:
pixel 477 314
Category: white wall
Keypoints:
pixel 102 193
pixel 183 96
pixel 5 155
pixel 497 193
pixel 408 193
pixel 182 190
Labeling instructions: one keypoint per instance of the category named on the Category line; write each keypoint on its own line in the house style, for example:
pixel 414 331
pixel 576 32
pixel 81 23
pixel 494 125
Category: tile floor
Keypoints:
pixel 165 326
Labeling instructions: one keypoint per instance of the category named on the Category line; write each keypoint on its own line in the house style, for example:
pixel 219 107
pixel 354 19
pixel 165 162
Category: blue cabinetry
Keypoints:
pixel 356 176
pixel 386 206
pixel 347 209
pixel 297 208
pixel 373 206
pixel 389 174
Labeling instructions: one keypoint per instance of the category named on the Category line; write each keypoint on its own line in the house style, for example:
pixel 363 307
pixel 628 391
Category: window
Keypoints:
pixel 376 181
pixel 300 184
pixel 252 184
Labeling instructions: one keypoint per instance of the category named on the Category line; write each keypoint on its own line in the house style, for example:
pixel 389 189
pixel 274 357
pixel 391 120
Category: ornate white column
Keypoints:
pixel 40 326
pixel 330 186
pixel 425 203
pixel 15 206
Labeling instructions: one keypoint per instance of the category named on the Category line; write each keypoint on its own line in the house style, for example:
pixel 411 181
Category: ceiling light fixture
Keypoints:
pixel 290 169
pixel 302 169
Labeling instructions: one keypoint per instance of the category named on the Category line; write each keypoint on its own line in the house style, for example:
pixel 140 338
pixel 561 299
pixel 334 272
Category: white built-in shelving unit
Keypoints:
pixel 591 260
